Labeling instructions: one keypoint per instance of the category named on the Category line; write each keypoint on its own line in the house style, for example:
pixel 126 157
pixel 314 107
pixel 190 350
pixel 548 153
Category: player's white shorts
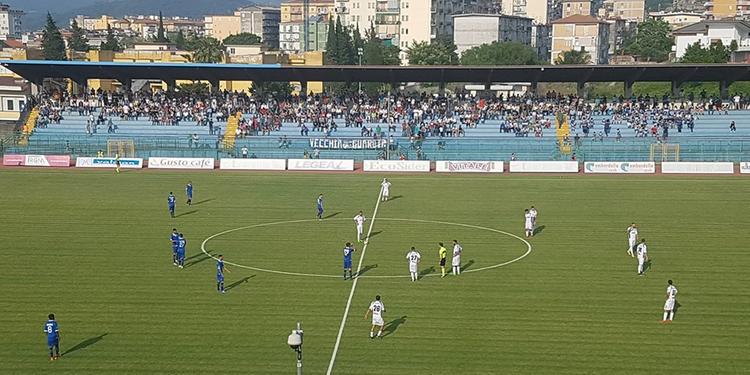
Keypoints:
pixel 359 228
pixel 386 192
pixel 456 261
pixel 669 305
pixel 631 243
pixel 412 267
pixel 641 260
pixel 529 226
pixel 377 321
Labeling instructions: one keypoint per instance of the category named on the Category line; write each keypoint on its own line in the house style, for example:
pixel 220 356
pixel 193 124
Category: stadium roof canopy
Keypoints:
pixel 37 70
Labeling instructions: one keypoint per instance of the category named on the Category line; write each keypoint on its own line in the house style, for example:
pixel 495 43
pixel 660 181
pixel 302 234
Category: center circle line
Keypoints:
pixel 205 241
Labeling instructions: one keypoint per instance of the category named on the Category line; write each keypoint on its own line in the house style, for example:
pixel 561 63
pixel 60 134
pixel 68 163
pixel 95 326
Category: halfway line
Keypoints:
pixel 354 286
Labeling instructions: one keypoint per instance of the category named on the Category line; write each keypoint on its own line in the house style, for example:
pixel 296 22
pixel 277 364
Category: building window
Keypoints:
pixel 10 105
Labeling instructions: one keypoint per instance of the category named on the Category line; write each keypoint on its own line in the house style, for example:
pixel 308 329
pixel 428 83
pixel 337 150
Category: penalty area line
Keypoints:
pixel 354 286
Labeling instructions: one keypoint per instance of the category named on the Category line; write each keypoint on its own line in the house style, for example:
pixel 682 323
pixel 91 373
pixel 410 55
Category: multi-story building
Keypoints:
pixel 10 22
pixel 261 21
pixel 221 26
pixel 719 9
pixel 572 7
pixel 294 11
pixel 541 41
pixel 580 32
pixel 542 11
pixel 677 19
pixel 404 22
pixel 291 35
pixel 713 31
pixel 629 10
pixel 473 30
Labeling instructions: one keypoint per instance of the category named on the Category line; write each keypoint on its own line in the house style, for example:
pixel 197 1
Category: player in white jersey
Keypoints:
pixel 377 309
pixel 669 305
pixel 360 220
pixel 386 185
pixel 533 213
pixel 529 223
pixel 414 257
pixel 632 232
pixel 642 252
pixel 456 261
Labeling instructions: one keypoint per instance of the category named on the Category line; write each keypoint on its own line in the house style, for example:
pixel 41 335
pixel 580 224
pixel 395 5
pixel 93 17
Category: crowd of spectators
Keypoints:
pixel 414 116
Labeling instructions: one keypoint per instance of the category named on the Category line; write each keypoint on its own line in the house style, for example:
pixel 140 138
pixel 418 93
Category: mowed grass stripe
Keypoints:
pixel 92 247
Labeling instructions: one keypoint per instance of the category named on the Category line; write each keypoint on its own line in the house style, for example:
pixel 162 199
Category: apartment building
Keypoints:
pixel 10 22
pixel 581 32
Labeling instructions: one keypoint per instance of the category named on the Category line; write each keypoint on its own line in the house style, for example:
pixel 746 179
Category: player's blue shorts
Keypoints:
pixel 171 208
pixel 180 254
pixel 219 278
pixel 174 250
pixel 347 263
pixel 190 196
pixel 53 341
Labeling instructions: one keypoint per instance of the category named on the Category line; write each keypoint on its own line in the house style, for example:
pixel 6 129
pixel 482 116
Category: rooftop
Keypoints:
pixel 700 27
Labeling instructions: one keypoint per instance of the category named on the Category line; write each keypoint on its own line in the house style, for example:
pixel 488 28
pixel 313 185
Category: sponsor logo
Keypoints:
pixel 397 165
pixel 109 162
pixel 37 160
pixel 181 163
pixel 544 166
pixel 469 166
pixel 321 164
pixel 348 144
pixel 745 167
pixel 249 164
pixel 619 167
pixel 697 167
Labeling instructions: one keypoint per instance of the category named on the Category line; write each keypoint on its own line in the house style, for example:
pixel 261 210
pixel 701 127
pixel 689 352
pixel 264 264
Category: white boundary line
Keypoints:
pixel 203 247
pixel 354 286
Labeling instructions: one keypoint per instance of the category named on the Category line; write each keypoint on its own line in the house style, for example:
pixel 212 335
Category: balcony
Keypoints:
pixel 342 10
pixel 386 10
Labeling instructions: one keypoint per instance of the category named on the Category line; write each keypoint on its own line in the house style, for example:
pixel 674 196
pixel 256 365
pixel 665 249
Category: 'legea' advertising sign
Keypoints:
pixel 320 165
pixel 181 163
pixel 619 167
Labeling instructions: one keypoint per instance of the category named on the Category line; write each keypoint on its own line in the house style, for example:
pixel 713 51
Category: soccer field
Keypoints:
pixel 93 248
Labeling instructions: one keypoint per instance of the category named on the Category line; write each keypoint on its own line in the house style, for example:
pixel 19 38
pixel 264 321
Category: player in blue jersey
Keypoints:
pixel 320 206
pixel 53 337
pixel 171 203
pixel 174 238
pixel 220 269
pixel 189 193
pixel 348 251
pixel 181 251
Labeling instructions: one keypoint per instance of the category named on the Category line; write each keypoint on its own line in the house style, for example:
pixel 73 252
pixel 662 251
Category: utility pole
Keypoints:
pixel 305 25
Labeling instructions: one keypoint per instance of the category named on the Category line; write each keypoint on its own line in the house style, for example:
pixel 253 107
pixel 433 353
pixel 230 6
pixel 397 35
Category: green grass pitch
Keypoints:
pixel 93 248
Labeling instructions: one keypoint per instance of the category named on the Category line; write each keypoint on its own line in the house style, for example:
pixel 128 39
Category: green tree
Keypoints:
pixel 53 45
pixel 161 36
pixel 207 50
pixel 345 54
pixel 500 53
pixel 331 44
pixel 376 52
pixel 77 41
pixel 716 53
pixel 279 89
pixel 179 40
pixel 193 89
pixel 357 43
pixel 242 39
pixel 652 42
pixel 437 52
pixel 573 57
pixel 110 43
